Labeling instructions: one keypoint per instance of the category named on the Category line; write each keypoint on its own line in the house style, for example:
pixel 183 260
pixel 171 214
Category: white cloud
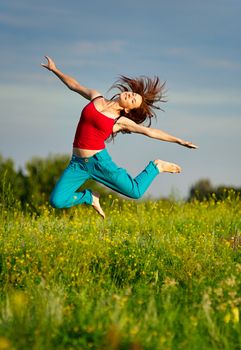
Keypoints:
pixel 203 57
pixel 206 97
pixel 11 20
pixel 31 15
pixel 178 51
pixel 97 47
pixel 222 64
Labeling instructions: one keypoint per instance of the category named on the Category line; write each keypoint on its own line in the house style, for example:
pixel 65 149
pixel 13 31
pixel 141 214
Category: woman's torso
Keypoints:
pixel 106 119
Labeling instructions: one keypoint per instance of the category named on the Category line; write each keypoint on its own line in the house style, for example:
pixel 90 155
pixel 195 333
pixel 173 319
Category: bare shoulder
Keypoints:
pixel 94 94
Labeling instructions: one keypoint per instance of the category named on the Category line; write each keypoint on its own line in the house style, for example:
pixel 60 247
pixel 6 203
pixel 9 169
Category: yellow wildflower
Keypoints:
pixel 235 313
pixel 4 343
pixel 227 318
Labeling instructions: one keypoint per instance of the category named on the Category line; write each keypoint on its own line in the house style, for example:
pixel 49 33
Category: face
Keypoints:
pixel 130 100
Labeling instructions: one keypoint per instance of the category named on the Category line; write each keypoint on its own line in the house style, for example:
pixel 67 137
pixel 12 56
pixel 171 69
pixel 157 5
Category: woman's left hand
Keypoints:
pixel 50 65
pixel 188 144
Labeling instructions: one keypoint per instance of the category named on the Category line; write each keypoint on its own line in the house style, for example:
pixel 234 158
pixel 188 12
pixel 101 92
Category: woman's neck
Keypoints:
pixel 113 105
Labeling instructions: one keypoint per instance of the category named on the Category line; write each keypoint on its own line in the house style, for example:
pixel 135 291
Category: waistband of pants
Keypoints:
pixel 102 155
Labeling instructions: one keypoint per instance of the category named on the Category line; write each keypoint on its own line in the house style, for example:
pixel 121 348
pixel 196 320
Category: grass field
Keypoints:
pixel 153 275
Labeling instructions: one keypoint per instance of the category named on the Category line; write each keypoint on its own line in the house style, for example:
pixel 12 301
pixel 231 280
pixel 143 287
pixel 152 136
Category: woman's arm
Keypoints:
pixel 163 136
pixel 129 125
pixel 70 82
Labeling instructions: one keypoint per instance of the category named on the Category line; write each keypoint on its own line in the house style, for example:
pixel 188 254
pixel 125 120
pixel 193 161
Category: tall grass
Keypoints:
pixel 153 275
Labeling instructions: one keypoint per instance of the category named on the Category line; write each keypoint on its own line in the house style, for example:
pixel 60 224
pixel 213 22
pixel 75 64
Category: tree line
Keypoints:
pixel 32 186
pixel 204 190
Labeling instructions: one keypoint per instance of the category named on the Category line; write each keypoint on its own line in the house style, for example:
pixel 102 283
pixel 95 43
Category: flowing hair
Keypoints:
pixel 151 91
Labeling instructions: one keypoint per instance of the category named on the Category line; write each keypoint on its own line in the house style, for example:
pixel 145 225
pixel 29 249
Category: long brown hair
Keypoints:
pixel 151 91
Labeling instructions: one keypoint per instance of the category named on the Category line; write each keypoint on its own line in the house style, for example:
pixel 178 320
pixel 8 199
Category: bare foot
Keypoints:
pixel 96 204
pixel 167 167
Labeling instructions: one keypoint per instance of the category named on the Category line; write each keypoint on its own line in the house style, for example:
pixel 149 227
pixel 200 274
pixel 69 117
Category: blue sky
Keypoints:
pixel 192 45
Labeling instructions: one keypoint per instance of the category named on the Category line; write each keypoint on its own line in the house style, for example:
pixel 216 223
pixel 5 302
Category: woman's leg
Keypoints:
pixel 101 168
pixel 104 170
pixel 64 194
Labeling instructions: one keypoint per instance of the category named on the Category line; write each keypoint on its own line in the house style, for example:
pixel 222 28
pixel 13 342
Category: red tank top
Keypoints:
pixel 93 128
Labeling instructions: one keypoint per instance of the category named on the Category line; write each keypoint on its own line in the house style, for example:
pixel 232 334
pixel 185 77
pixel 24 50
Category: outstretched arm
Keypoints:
pixel 163 136
pixel 129 125
pixel 70 82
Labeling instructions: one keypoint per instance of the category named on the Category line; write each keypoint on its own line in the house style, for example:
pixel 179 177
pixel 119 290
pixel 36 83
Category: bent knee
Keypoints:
pixel 56 202
pixel 136 195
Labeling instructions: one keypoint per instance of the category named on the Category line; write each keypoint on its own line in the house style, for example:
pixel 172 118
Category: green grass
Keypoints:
pixel 153 275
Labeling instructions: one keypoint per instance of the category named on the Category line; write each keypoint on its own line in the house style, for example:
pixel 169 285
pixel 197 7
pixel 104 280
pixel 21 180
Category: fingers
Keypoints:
pixel 48 58
pixel 50 63
pixel 44 64
pixel 191 145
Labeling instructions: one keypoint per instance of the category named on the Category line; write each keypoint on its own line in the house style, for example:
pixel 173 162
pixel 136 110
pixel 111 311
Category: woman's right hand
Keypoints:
pixel 187 144
pixel 50 65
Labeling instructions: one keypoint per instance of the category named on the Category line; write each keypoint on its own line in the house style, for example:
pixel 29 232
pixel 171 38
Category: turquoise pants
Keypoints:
pixel 100 168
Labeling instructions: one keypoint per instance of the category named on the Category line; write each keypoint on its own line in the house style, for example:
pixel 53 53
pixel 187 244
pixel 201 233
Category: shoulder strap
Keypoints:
pixel 118 118
pixel 96 98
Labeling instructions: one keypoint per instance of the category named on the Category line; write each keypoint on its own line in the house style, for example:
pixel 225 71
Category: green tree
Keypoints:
pixel 204 190
pixel 11 183
pixel 201 189
pixel 41 176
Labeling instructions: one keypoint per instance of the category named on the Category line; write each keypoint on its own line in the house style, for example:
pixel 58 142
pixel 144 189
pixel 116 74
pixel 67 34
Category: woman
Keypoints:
pixel 101 119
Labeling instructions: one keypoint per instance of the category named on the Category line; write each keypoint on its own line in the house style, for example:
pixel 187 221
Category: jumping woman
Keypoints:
pixel 101 119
